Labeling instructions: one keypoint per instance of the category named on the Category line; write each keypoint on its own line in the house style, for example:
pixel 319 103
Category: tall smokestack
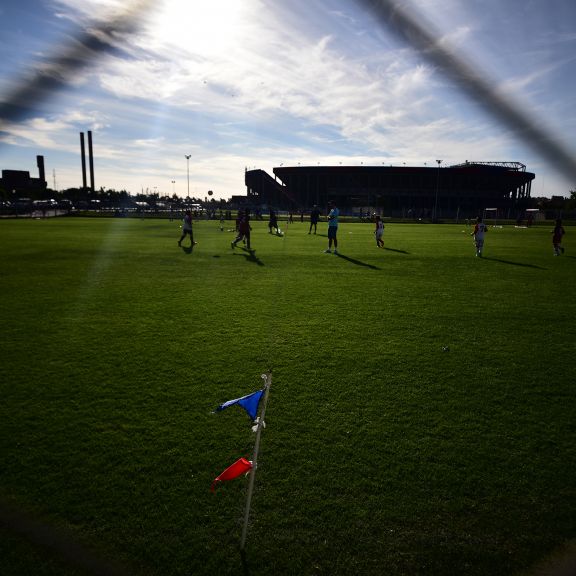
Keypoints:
pixel 91 160
pixel 83 154
pixel 41 172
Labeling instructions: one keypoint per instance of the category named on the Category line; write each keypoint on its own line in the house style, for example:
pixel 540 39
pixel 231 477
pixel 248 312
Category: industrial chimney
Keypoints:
pixel 41 171
pixel 91 160
pixel 83 155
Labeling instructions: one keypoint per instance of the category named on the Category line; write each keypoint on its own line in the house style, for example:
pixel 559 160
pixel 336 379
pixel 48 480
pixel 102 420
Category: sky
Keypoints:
pixel 243 84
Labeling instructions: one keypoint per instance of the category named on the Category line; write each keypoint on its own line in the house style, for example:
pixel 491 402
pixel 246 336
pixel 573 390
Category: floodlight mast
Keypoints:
pixel 435 219
pixel 187 156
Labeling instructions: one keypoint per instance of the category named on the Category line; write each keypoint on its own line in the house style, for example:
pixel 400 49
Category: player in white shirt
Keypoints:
pixel 379 231
pixel 332 227
pixel 479 230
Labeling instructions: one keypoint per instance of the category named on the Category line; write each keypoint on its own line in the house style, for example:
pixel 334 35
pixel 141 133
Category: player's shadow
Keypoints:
pixel 396 250
pixel 250 256
pixel 514 263
pixel 245 566
pixel 357 262
pixel 187 249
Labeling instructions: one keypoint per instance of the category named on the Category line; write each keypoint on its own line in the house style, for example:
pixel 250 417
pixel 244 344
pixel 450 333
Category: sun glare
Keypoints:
pixel 204 28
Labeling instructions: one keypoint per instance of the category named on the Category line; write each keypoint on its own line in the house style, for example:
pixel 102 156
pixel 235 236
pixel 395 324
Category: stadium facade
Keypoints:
pixel 422 192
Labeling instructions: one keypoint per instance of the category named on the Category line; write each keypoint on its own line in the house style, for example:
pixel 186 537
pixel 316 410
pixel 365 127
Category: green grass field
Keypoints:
pixel 383 452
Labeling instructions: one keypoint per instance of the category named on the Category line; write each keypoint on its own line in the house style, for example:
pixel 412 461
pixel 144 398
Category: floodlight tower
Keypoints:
pixel 437 187
pixel 187 156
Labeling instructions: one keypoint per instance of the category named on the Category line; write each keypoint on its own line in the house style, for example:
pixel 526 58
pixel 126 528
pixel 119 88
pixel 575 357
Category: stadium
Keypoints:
pixel 462 190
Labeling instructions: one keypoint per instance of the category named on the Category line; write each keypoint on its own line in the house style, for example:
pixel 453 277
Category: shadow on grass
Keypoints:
pixel 396 250
pixel 187 249
pixel 514 263
pixel 245 567
pixel 58 542
pixel 250 256
pixel 357 262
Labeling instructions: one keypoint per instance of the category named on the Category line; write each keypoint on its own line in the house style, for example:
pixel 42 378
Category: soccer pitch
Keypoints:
pixel 420 419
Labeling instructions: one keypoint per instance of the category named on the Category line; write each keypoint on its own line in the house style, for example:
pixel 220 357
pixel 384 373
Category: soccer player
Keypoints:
pixel 332 228
pixel 273 221
pixel 244 229
pixel 479 230
pixel 557 234
pixel 379 231
pixel 187 228
pixel 314 217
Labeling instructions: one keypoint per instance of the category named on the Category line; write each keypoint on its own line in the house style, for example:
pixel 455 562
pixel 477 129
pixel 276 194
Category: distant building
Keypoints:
pixel 465 189
pixel 19 183
pixel 240 201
